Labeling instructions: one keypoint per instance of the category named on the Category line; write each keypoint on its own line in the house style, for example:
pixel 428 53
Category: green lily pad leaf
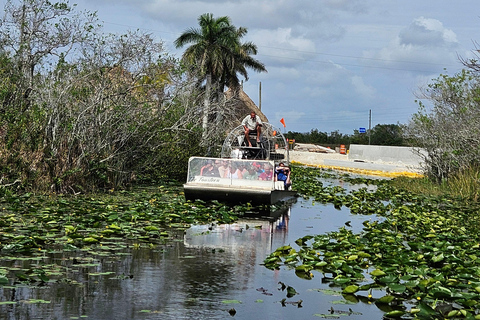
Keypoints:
pixel 386 299
pixel 377 273
pixel 351 289
pixel 362 254
pixel 341 280
pixel 291 292
pixel 7 302
pixel 427 312
pixel 3 280
pixel 304 275
pixel 438 258
pixel 302 241
pixel 388 279
pixel 441 292
pixel 90 240
pixel 469 303
pixel 303 267
pixel 399 288
pixel 329 292
pixel 284 249
pixel 231 302
pixel 394 314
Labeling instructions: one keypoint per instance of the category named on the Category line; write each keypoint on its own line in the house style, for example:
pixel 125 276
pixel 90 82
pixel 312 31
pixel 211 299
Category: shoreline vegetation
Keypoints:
pixel 463 186
pixel 422 252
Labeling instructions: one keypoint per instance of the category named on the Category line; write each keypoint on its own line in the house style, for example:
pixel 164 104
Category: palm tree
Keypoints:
pixel 218 55
pixel 242 60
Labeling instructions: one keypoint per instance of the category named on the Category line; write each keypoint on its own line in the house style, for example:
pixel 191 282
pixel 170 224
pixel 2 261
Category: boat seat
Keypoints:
pixel 253 139
pixel 279 185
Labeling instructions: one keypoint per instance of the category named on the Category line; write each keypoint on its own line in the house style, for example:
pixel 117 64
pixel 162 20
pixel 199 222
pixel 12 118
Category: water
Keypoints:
pixel 205 273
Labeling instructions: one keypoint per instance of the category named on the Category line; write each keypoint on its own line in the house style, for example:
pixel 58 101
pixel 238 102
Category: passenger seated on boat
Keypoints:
pixel 222 166
pixel 282 173
pixel 233 172
pixel 258 168
pixel 251 173
pixel 267 175
pixel 252 124
pixel 209 170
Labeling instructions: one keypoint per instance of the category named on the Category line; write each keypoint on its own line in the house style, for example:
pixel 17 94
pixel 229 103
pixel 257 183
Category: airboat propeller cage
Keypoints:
pixel 272 146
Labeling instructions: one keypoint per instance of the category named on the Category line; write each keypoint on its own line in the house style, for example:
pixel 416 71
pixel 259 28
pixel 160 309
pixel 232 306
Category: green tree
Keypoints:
pixel 359 138
pixel 387 135
pixel 35 30
pixel 448 130
pixel 242 60
pixel 118 109
pixel 217 55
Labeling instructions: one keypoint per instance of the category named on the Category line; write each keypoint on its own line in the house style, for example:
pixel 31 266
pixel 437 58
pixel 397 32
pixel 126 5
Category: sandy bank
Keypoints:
pixel 337 161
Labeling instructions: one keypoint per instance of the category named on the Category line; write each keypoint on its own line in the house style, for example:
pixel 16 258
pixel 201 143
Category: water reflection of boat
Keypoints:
pixel 243 173
pixel 255 230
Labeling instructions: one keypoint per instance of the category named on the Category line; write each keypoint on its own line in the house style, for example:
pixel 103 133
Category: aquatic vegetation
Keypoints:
pixel 33 228
pixel 421 251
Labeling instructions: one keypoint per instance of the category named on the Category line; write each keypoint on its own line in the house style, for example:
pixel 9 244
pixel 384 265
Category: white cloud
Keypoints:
pixel 423 46
pixel 281 47
pixel 328 61
pixel 423 32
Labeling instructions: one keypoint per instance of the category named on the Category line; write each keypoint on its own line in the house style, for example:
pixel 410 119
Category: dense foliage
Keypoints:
pixel 81 110
pixel 447 129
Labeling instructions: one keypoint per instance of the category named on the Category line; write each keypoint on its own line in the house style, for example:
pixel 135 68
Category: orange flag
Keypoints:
pixel 283 122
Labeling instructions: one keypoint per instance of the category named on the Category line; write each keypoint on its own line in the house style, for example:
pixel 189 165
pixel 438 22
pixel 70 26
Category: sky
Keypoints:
pixel 333 65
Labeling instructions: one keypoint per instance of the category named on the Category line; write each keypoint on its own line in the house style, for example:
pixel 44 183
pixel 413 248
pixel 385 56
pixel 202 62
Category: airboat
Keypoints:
pixel 243 173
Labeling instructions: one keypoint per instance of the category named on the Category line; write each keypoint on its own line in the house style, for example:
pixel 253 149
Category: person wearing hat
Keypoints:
pixel 250 123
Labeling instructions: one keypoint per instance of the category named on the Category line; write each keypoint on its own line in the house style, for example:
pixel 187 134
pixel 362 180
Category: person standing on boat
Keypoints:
pixel 282 173
pixel 251 123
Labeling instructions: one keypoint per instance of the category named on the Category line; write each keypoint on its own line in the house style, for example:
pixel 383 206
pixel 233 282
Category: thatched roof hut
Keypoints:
pixel 243 105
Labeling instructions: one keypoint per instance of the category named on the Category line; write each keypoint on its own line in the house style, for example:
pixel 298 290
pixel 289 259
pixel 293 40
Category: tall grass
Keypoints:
pixel 465 185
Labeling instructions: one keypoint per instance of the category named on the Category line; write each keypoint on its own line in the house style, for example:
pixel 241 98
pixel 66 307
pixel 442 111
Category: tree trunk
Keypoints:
pixel 206 105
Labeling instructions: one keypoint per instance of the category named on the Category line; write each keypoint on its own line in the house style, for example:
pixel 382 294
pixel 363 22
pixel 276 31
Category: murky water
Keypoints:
pixel 206 272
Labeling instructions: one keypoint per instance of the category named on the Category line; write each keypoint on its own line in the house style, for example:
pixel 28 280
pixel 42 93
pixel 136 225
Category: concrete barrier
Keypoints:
pixel 399 155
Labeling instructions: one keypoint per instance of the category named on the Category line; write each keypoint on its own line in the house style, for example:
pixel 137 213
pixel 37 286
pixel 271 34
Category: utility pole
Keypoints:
pixel 260 96
pixel 369 125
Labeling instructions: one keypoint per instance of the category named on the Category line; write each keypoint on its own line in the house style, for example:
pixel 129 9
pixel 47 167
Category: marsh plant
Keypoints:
pixel 418 259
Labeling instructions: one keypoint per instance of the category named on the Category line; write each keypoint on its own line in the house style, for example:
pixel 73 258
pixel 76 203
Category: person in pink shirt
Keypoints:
pixel 267 175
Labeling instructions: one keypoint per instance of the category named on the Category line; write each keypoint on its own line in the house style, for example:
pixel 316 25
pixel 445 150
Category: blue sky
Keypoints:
pixel 329 62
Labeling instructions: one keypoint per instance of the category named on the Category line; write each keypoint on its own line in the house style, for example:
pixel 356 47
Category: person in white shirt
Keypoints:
pixel 252 122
